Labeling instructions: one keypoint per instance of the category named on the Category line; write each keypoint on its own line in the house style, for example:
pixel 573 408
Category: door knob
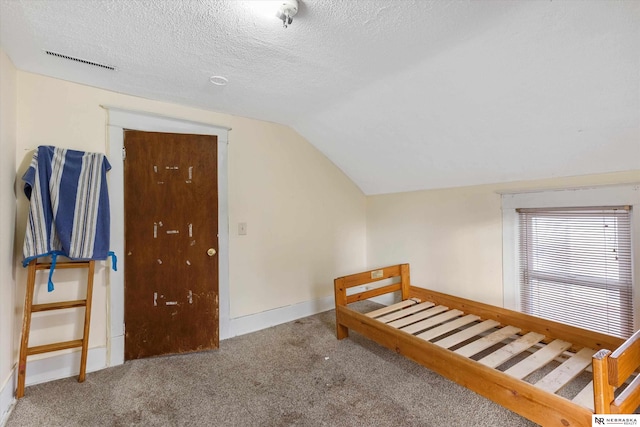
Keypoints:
pixel 211 252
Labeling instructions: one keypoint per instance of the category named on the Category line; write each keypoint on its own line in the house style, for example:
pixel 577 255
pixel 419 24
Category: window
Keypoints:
pixel 574 256
pixel 575 267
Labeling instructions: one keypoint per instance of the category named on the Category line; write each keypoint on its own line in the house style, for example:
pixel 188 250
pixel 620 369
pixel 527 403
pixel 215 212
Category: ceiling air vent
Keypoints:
pixel 84 61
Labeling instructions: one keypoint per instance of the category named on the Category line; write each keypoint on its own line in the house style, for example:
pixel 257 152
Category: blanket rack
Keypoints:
pixel 30 308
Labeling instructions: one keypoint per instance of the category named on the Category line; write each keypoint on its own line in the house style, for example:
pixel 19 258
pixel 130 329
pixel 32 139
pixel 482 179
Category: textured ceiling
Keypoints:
pixel 401 95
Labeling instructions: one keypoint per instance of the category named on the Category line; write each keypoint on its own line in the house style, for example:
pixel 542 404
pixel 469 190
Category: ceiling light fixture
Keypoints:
pixel 286 11
pixel 219 80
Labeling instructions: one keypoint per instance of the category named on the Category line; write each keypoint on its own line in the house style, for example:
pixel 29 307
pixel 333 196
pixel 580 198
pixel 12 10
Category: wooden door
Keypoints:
pixel 171 243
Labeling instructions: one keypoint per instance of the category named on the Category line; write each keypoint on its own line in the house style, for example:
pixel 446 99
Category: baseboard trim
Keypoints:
pixel 266 319
pixel 7 398
pixel 49 369
pixel 64 365
pixel 116 350
pixel 255 322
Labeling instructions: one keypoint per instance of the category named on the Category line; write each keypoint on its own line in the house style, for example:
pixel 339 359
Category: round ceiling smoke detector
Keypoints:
pixel 286 11
pixel 219 80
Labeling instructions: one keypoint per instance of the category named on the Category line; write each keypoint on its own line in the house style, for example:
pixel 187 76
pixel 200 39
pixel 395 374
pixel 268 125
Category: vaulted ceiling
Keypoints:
pixel 401 95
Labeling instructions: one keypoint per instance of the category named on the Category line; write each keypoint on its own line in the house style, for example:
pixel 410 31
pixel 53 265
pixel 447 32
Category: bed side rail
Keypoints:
pixel 612 370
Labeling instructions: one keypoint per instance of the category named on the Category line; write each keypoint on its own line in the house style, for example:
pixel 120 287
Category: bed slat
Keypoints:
pixel 470 332
pixel 538 359
pixel 553 330
pixel 486 342
pixel 505 353
pixel 448 327
pixel 432 321
pixel 418 316
pixel 393 307
pixel 405 312
pixel 585 397
pixel 571 368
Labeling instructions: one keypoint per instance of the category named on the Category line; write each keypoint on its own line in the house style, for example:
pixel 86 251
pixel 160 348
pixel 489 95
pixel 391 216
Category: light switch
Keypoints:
pixel 242 228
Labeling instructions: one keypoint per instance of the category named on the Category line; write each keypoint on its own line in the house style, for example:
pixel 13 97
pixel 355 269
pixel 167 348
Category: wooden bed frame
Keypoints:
pixel 436 330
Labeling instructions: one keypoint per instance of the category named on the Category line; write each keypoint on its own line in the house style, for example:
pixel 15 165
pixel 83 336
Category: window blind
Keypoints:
pixel 575 267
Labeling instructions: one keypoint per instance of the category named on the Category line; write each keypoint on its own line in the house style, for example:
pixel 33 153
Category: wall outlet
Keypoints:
pixel 242 228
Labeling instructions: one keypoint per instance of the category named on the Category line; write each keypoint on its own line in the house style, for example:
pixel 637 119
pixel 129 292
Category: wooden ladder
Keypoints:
pixel 29 308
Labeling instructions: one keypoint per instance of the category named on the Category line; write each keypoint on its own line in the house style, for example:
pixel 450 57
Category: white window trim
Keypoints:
pixel 599 196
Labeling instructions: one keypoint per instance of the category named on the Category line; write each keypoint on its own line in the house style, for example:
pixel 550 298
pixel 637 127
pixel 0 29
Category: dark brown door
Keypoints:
pixel 171 243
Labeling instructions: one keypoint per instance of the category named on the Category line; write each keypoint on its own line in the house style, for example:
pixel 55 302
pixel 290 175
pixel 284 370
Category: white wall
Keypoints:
pixel 8 121
pixel 306 219
pixel 453 237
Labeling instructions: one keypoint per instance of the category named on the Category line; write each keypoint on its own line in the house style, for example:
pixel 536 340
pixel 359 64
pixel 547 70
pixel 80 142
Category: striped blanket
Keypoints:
pixel 68 206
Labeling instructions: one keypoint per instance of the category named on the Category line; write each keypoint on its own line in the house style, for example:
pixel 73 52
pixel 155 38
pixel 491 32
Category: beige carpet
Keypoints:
pixel 296 374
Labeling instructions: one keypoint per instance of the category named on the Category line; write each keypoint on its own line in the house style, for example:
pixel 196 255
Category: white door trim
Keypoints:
pixel 117 120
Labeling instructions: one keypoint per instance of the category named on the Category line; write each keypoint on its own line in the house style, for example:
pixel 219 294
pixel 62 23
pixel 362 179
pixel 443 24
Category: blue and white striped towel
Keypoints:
pixel 68 206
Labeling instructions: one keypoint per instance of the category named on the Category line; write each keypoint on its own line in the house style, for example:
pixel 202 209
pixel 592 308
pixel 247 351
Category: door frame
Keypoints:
pixel 119 119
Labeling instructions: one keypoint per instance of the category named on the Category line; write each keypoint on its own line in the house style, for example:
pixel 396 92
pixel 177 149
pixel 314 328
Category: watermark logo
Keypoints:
pixel 615 420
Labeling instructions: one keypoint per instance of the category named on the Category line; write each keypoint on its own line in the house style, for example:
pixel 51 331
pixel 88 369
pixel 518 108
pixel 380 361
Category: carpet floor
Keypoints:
pixel 295 374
